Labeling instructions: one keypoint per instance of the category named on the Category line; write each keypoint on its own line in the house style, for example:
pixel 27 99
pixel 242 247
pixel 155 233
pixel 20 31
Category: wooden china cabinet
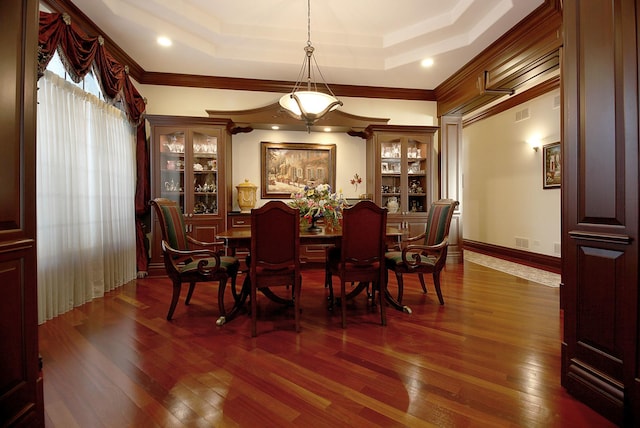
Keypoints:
pixel 190 164
pixel 400 172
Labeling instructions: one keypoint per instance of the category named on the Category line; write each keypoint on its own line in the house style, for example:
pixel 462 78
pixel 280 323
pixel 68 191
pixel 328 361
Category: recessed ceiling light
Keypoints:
pixel 427 62
pixel 164 41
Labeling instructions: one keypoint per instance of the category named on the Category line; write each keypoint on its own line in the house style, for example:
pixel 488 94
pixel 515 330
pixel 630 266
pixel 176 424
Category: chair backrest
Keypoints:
pixel 275 233
pixel 363 233
pixel 171 223
pixel 439 221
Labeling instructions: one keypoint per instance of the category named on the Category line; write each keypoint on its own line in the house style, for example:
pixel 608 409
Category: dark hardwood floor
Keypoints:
pixel 489 357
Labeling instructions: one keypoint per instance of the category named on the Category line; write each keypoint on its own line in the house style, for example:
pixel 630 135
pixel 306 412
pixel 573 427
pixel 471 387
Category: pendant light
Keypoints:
pixel 305 102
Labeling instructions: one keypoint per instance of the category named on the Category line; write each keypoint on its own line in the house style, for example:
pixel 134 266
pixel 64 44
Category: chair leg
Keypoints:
pixel 436 284
pixel 343 301
pixel 221 289
pixel 371 293
pixel 329 283
pixel 254 311
pixel 400 287
pixel 382 286
pixel 327 275
pixel 177 286
pixel 424 286
pixel 192 286
pixel 296 303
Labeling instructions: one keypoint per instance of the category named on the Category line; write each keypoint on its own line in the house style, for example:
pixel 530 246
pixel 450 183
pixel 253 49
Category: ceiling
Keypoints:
pixel 358 42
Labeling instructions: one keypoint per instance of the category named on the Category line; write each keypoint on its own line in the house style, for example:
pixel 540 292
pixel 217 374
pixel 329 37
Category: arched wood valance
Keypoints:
pixel 273 115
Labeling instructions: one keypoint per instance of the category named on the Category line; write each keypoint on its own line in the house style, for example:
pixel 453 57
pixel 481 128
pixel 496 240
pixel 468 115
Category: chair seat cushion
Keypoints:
pixel 393 260
pixel 226 263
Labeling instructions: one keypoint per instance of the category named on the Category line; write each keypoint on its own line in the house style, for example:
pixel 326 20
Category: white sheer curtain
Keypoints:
pixel 86 179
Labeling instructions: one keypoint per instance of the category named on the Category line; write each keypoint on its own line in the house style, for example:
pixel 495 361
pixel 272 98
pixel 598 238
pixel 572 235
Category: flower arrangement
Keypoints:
pixel 318 202
pixel 356 180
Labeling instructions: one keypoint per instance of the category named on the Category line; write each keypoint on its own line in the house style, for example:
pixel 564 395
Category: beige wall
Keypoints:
pixel 350 151
pixel 503 194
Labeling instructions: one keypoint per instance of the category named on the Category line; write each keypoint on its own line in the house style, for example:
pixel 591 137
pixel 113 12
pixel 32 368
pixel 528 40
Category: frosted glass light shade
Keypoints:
pixel 313 103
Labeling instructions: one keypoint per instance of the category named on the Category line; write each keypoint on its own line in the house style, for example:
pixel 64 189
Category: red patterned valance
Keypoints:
pixel 81 53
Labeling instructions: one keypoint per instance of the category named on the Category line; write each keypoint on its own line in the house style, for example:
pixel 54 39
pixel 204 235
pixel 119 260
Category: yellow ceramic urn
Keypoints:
pixel 246 196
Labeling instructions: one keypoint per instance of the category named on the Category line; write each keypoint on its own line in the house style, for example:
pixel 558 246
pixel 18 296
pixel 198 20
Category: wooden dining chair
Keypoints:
pixel 274 259
pixel 183 263
pixel 425 253
pixel 360 255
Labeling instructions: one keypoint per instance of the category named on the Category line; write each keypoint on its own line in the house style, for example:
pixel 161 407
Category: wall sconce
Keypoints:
pixel 534 143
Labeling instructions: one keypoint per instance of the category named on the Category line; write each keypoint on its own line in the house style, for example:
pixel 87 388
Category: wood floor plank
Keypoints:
pixel 489 357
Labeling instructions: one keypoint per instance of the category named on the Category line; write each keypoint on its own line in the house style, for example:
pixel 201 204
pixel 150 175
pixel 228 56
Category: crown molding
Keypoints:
pixel 280 86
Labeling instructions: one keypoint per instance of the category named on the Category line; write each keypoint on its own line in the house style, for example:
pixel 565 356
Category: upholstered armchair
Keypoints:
pixel 427 252
pixel 185 264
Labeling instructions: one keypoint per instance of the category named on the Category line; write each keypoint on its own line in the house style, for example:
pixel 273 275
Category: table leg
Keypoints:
pixel 239 301
pixel 395 304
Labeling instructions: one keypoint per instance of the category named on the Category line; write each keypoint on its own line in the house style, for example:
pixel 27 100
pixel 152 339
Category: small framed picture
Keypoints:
pixel 385 167
pixel 551 168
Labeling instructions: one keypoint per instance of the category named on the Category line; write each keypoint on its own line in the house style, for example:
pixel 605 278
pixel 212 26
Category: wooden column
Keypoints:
pixel 451 178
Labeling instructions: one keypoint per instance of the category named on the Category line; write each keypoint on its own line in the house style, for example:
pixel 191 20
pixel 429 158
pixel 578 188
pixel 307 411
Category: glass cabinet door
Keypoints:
pixel 391 174
pixel 172 166
pixel 205 173
pixel 404 172
pixel 416 175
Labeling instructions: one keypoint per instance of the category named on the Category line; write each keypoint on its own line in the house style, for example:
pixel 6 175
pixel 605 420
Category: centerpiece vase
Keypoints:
pixel 313 227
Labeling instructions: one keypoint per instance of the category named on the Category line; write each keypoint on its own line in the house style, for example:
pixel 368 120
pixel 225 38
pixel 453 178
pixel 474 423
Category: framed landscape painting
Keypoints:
pixel 288 167
pixel 552 173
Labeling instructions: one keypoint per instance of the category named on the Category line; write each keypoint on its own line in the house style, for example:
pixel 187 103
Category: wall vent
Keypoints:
pixel 522 115
pixel 522 242
pixel 556 101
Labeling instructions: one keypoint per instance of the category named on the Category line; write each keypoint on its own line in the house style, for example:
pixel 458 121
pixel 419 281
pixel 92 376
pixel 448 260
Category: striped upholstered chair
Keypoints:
pixel 185 264
pixel 427 252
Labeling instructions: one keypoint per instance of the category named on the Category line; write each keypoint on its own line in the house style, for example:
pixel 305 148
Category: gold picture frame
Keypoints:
pixel 287 168
pixel 552 166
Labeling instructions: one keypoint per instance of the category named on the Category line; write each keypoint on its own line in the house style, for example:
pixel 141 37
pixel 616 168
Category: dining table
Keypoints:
pixel 240 238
